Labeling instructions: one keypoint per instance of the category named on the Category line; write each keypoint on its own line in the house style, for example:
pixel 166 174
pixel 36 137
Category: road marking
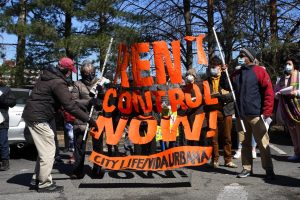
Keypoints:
pixel 281 152
pixel 233 191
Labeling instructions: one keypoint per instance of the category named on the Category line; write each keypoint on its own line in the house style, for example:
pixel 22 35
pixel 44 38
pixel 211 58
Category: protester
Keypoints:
pixel 255 99
pixel 48 95
pixel 82 95
pixel 190 79
pixel 288 101
pixel 217 79
pixel 7 99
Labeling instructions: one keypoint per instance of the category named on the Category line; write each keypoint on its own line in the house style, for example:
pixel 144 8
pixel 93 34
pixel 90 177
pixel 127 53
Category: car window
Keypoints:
pixel 21 95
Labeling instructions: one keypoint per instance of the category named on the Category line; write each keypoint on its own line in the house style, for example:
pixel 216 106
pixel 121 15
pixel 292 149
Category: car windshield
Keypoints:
pixel 21 95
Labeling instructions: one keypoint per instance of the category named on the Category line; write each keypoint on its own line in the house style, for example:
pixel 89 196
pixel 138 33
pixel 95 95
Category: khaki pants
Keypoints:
pixel 256 126
pixel 43 137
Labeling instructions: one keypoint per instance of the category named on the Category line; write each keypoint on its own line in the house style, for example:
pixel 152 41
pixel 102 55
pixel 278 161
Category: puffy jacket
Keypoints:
pixel 254 91
pixel 7 99
pixel 81 95
pixel 48 95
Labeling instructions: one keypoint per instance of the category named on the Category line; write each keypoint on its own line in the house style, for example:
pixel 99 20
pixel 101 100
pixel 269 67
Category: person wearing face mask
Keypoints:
pixel 255 100
pixel 287 102
pixel 190 79
pixel 48 95
pixel 218 80
pixel 82 93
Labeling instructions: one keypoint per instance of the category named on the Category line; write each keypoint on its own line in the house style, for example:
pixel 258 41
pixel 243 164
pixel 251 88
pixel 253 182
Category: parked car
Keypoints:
pixel 17 125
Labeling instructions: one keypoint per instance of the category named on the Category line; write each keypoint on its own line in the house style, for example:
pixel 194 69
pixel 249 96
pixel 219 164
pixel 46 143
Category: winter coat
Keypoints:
pixel 254 91
pixel 48 95
pixel 7 99
pixel 81 95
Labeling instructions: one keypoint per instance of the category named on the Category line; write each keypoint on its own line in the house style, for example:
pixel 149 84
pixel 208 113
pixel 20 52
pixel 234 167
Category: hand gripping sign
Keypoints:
pixel 136 100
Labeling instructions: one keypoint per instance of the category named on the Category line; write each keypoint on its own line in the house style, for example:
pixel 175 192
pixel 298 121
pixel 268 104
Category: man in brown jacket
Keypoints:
pixel 49 94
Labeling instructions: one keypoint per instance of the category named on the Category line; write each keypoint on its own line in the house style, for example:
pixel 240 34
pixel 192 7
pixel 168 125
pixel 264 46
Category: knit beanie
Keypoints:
pixel 249 52
pixel 191 71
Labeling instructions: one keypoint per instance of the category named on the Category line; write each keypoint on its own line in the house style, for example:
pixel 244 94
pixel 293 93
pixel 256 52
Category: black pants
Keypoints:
pixel 80 149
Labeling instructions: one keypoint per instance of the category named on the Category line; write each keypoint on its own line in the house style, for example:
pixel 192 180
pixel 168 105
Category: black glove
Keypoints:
pixel 96 102
pixel 93 124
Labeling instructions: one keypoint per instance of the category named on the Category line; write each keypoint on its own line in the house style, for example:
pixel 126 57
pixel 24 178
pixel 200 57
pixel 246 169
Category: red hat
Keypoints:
pixel 67 63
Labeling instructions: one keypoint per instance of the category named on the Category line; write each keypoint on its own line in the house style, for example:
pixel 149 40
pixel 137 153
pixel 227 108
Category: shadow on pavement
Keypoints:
pixel 21 179
pixel 281 180
pixel 284 158
pixel 208 168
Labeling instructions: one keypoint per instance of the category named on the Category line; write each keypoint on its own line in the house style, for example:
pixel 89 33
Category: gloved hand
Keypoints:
pixel 96 102
pixel 93 124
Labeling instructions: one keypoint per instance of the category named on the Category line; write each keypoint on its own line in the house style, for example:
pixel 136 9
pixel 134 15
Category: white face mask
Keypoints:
pixel 190 78
pixel 214 71
pixel 288 68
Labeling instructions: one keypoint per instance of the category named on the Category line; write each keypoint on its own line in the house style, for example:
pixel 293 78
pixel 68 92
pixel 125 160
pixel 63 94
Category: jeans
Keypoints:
pixel 4 147
pixel 69 129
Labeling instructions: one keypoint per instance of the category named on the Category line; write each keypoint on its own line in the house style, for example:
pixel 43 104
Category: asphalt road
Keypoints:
pixel 190 183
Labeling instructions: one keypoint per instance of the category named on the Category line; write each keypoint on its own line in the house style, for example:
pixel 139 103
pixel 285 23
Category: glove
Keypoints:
pixel 93 124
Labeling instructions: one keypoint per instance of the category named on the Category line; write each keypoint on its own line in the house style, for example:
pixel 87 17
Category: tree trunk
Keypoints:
pixel 210 24
pixel 273 19
pixel 188 31
pixel 67 33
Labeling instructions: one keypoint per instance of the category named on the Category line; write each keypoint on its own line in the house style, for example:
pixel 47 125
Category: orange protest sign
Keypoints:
pixel 134 131
pixel 200 51
pixel 122 64
pixel 161 54
pixel 139 65
pixel 176 97
pixel 169 159
pixel 139 100
pixel 106 107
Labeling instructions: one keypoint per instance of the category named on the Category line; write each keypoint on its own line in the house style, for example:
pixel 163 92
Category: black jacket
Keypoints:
pixel 48 95
pixel 7 99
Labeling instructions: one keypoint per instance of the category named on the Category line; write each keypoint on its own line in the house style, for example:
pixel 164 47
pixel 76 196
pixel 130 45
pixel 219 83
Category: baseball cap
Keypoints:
pixel 68 63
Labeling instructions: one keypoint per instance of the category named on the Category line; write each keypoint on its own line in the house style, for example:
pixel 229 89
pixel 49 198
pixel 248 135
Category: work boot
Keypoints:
pixel 5 165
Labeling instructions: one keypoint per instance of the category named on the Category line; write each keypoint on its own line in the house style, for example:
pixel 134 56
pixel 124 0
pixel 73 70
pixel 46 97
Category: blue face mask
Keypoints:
pixel 241 61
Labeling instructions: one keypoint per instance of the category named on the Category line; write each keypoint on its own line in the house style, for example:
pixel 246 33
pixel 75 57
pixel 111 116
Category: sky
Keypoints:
pixel 10 51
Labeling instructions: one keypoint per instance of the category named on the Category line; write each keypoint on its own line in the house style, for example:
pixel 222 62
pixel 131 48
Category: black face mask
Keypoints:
pixel 64 71
pixel 88 77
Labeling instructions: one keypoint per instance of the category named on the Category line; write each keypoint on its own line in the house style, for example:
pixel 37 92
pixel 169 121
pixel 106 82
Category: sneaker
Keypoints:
pixel 270 175
pixel 237 154
pixel 295 157
pixel 215 164
pixel 254 154
pixel 51 189
pixel 231 165
pixel 244 173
